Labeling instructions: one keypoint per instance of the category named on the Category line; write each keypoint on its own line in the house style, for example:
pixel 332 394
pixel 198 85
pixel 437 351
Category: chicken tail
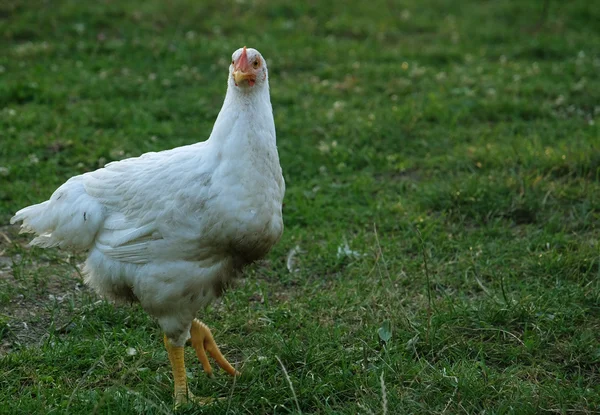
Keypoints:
pixel 35 221
pixel 70 219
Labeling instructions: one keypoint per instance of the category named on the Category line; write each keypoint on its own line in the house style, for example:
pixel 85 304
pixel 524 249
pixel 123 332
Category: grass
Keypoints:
pixel 453 146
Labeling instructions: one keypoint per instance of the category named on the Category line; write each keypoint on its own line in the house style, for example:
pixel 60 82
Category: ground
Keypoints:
pixel 443 167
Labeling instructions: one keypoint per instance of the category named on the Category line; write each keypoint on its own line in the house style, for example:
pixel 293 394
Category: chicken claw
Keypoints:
pixel 182 394
pixel 202 341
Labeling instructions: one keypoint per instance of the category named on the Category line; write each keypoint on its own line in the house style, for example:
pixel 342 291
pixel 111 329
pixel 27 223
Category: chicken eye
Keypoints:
pixel 232 61
pixel 255 64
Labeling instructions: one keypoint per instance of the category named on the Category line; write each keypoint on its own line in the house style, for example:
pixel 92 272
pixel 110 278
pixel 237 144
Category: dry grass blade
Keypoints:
pixel 287 377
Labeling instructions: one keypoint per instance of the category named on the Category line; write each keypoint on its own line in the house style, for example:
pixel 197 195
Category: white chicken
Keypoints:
pixel 171 229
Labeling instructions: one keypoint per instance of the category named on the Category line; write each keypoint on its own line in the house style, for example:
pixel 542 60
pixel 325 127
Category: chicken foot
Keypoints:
pixel 203 342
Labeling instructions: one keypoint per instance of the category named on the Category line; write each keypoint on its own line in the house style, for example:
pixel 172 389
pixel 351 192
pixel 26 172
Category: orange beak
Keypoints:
pixel 242 69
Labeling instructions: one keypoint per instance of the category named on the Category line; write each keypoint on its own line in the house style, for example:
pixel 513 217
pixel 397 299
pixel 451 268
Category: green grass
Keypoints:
pixel 453 145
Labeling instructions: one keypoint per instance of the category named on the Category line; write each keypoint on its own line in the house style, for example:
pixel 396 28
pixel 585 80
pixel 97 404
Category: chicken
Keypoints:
pixel 170 229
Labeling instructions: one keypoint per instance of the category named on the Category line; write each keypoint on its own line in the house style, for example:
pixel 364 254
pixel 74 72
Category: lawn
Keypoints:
pixel 442 159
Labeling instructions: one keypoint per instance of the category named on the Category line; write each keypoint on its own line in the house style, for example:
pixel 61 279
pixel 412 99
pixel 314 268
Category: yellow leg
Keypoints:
pixel 202 341
pixel 179 377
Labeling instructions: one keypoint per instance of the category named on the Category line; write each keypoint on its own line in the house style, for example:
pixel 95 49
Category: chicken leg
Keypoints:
pixel 202 341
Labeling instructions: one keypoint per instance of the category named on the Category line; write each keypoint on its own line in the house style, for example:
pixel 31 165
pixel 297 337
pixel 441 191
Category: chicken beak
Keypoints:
pixel 239 76
pixel 241 69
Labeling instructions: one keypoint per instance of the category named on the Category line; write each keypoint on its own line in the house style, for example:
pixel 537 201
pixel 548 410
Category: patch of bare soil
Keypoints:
pixel 47 297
